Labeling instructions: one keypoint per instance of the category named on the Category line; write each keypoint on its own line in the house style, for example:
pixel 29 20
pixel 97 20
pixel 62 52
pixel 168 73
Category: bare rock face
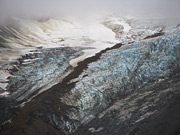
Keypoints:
pixel 155 106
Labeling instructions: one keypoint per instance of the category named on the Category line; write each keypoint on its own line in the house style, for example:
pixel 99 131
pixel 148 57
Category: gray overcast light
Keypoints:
pixel 71 7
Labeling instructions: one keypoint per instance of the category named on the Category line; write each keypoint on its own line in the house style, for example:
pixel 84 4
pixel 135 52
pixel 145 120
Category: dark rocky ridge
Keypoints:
pixel 122 71
pixel 32 72
pixel 52 113
pixel 140 29
pixel 48 98
pixel 132 114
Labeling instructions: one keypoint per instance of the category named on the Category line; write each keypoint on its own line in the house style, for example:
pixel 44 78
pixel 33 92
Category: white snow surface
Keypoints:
pixel 5 94
pixel 86 32
pixel 67 32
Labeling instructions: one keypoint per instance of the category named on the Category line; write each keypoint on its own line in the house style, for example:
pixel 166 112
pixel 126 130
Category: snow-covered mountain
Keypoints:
pixel 69 72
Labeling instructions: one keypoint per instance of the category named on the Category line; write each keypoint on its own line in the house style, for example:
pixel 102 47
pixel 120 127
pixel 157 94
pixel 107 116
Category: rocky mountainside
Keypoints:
pixel 155 106
pixel 127 74
pixel 22 46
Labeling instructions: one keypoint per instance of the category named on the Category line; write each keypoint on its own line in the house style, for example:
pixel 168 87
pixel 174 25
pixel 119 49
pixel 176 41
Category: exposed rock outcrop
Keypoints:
pixel 153 109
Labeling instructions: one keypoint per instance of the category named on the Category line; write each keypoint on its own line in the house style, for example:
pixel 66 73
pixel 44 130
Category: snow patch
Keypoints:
pixel 5 94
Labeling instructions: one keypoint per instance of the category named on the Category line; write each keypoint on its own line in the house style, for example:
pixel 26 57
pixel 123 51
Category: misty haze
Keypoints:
pixel 99 67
